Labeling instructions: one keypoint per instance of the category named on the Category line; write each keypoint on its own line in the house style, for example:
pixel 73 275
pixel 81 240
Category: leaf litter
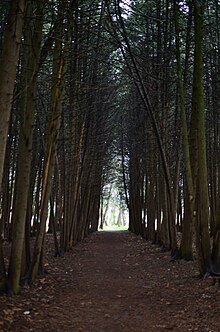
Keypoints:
pixel 114 282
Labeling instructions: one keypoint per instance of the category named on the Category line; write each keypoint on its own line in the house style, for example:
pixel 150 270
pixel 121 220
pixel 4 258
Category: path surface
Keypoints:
pixel 115 282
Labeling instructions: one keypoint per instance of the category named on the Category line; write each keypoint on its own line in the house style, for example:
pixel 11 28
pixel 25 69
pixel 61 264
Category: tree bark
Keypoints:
pixel 22 184
pixel 186 243
pixel 53 131
pixel 8 63
pixel 202 217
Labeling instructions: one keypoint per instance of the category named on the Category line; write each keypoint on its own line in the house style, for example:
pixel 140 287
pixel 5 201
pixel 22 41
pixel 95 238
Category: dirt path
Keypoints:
pixel 114 282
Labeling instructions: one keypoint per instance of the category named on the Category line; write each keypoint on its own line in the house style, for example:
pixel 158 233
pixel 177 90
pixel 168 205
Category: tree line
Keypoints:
pixel 90 86
pixel 173 132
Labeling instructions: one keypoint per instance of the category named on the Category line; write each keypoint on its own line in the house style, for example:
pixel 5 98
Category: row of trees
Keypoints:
pixel 171 50
pixel 55 124
pixel 92 85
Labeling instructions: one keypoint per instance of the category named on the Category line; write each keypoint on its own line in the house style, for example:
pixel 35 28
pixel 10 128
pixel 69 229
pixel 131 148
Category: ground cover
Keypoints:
pixel 114 282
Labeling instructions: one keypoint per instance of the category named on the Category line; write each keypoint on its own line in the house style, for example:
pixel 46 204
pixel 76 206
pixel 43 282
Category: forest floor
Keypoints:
pixel 114 282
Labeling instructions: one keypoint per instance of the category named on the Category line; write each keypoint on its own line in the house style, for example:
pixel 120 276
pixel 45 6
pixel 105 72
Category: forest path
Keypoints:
pixel 114 282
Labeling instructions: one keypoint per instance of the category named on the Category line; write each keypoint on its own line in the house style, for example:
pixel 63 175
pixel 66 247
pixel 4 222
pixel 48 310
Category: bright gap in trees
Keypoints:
pixel 113 211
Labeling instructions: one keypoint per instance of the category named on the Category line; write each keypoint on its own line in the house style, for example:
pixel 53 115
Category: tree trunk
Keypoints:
pixel 8 63
pixel 186 242
pixel 22 184
pixel 53 130
pixel 202 217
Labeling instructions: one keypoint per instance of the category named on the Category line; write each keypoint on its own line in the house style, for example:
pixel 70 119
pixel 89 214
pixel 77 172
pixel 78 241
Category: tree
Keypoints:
pixel 53 132
pixel 202 200
pixel 8 63
pixel 189 221
pixel 32 38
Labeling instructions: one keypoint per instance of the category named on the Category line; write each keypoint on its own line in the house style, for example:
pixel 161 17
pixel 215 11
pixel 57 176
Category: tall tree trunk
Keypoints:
pixel 8 63
pixel 186 243
pixel 53 131
pixel 216 124
pixel 202 217
pixel 22 184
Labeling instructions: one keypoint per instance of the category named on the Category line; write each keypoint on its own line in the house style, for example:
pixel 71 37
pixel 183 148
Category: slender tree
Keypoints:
pixel 202 217
pixel 8 63
pixel 32 38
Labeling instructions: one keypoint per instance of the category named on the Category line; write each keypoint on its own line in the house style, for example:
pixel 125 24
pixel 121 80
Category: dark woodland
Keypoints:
pixel 101 100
